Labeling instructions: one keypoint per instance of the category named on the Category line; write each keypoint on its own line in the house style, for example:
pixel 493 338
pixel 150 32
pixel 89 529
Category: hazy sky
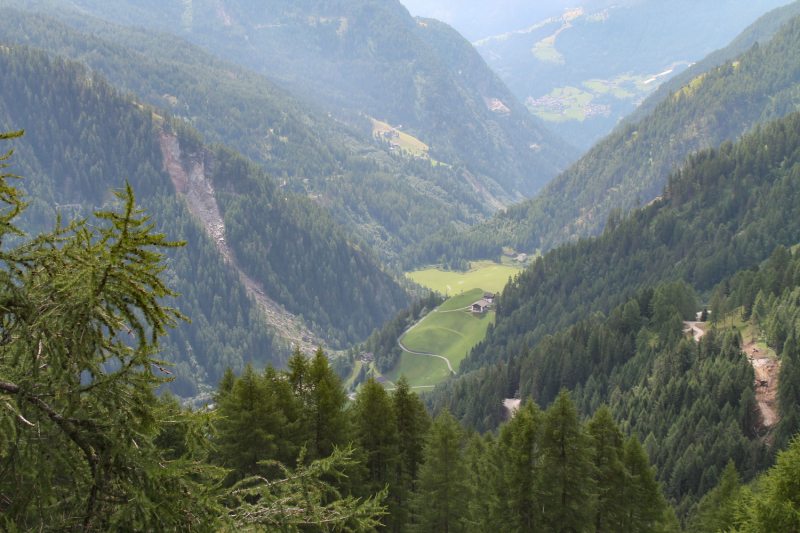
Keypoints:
pixel 476 19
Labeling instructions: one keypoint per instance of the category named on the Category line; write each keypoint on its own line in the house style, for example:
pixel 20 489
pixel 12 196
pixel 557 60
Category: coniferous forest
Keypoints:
pixel 202 286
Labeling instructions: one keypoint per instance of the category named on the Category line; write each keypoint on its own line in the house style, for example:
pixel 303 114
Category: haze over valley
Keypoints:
pixel 362 265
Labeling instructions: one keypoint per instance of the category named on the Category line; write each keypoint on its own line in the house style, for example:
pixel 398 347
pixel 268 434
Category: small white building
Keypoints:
pixel 489 297
pixel 522 258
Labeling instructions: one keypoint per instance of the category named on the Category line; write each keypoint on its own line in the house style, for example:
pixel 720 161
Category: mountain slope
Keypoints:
pixel 586 68
pixel 727 209
pixel 630 167
pixel 761 31
pixel 85 138
pixel 388 201
pixel 362 56
pixel 692 404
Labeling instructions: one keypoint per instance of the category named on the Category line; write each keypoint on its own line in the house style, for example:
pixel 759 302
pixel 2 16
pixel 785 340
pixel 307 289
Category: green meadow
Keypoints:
pixel 486 275
pixel 449 334
pixel 461 301
pixel 421 370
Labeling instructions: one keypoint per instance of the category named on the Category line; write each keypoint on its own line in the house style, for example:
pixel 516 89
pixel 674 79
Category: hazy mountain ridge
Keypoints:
pixel 630 167
pixel 362 56
pixel 301 147
pixel 589 67
pixel 761 31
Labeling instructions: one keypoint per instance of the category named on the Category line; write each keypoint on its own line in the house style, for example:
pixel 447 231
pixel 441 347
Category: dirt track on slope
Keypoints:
pixel 766 369
pixel 406 332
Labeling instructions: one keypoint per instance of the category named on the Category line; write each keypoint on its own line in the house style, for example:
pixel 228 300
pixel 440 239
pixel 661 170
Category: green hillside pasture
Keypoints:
pixel 449 334
pixel 485 275
pixel 461 301
pixel 421 370
pixel 545 50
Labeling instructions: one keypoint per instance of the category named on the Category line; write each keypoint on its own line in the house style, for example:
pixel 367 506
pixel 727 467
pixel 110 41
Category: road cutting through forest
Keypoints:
pixel 766 370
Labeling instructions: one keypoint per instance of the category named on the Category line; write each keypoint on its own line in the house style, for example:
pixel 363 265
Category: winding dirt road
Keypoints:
pixel 767 370
pixel 406 332
pixel 695 329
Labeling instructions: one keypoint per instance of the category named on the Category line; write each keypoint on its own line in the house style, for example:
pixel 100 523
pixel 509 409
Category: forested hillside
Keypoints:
pixel 630 167
pixel 390 202
pixel 727 209
pixel 690 403
pixel 371 57
pixel 84 138
pixel 585 68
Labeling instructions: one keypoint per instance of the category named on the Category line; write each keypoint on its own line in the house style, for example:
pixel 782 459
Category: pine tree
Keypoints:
pixel 717 510
pixel 608 453
pixel 566 474
pixel 82 312
pixel 376 433
pixel 413 423
pixel 86 443
pixel 645 504
pixel 521 470
pixel 442 498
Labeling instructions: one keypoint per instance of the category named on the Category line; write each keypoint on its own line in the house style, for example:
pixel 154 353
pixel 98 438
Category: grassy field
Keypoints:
pixel 421 370
pixel 450 334
pixel 545 50
pixel 485 275
pixel 462 300
pixel 408 144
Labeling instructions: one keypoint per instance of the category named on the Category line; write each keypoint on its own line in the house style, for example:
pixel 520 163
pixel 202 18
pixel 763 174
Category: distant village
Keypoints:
pixel 560 104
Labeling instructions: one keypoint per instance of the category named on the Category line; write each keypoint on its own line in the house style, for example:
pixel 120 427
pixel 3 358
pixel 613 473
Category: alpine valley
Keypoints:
pixel 338 266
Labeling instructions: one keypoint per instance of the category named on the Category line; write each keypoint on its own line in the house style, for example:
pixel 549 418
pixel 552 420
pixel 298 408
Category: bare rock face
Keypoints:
pixel 191 175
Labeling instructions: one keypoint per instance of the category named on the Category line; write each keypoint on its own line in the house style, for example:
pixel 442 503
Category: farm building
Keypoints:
pixel 367 357
pixel 522 258
pixel 509 253
pixel 480 306
pixel 489 297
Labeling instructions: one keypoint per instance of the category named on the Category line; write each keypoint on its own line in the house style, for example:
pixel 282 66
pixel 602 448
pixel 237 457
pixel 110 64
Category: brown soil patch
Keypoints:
pixel 766 369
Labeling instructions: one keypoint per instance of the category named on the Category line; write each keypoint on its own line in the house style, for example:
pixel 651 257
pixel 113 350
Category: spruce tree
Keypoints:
pixel 442 498
pixel 645 504
pixel 258 421
pixel 324 399
pixel 487 507
pixel 608 454
pixel 520 452
pixel 413 423
pixel 717 510
pixel 566 474
pixel 775 506
pixel 375 428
